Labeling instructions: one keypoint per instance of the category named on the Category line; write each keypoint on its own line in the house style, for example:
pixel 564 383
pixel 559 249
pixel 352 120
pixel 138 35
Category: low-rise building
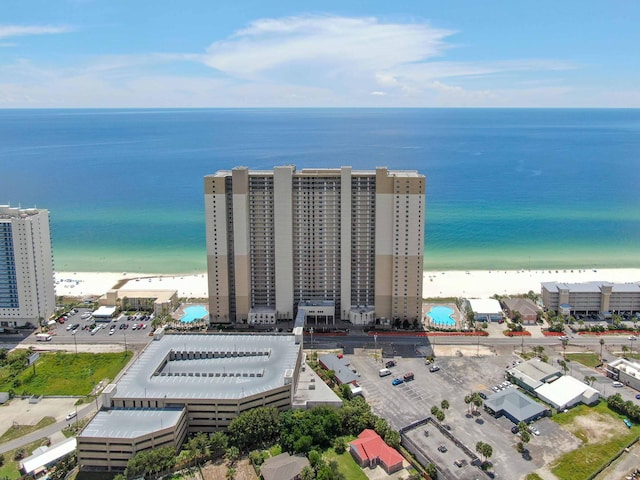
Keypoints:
pixel 369 450
pixel 514 405
pixel 533 373
pixel 45 457
pixel 485 310
pixel 528 309
pixel 625 371
pixel 566 392
pixel 158 301
pixel 339 366
pixel 591 297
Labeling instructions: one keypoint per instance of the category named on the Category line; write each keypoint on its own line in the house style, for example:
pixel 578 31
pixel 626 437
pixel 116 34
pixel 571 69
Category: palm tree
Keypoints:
pixel 467 400
pixel 476 399
pixel 601 345
pixel 625 349
pixel 565 367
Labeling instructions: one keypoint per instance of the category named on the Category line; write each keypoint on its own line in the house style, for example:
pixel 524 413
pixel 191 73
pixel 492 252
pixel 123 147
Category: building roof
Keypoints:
pixel 591 287
pixel 210 366
pixel 485 305
pixel 131 423
pixel 370 446
pixel 104 312
pixel 564 391
pixel 340 367
pixel 50 455
pixel 283 467
pixel 312 391
pixel 515 403
pixel 534 372
pixel 523 305
pixel 629 367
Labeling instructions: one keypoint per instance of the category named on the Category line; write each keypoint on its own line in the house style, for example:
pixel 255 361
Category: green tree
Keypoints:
pixel 231 473
pixel 434 410
pixel 564 366
pixel 339 445
pixel 218 443
pixel 485 450
pixel 440 416
pixel 468 399
pixel 625 349
pixel 255 427
pixel 345 390
pixel 307 473
pixel 432 471
pixel 392 438
pixel 444 404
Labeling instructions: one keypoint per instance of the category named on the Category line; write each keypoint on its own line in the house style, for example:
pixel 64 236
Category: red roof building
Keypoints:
pixel 369 450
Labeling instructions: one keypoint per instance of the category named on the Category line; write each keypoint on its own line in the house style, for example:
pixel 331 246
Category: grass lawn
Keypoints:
pixel 587 359
pixel 10 469
pixel 588 458
pixel 13 433
pixel 346 464
pixel 67 373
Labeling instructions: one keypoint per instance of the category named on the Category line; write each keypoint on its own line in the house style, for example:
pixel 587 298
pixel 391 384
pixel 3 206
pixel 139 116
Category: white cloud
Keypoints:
pixel 334 46
pixel 8 31
pixel 297 61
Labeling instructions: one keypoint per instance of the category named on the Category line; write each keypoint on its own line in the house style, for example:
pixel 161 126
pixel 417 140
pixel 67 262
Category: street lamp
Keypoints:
pixel 631 340
pixel 311 332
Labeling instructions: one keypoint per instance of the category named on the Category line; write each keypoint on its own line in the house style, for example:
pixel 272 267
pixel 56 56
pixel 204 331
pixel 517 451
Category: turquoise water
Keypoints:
pixel 442 316
pixel 194 313
pixel 506 188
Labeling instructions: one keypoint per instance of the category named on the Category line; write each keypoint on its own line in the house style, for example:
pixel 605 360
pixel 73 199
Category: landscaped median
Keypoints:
pixel 549 333
pixel 430 334
pixel 509 333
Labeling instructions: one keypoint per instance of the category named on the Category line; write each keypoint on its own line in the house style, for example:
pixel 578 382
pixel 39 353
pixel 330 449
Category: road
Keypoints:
pixel 83 412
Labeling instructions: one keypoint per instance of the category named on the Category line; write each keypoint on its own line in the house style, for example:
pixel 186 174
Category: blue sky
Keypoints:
pixel 246 53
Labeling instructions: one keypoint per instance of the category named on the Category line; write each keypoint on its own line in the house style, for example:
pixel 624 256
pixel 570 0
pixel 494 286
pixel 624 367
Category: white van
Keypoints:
pixel 384 372
pixel 617 384
pixel 95 330
pixel 43 337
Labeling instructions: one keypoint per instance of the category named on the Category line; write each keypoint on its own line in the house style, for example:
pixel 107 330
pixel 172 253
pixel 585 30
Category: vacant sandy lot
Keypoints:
pixel 218 470
pixel 24 413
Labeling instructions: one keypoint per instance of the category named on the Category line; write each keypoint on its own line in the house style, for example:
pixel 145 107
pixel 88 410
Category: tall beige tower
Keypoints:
pixel 27 290
pixel 337 242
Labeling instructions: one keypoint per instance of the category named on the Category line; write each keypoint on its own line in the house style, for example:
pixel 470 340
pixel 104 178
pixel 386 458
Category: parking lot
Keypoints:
pixel 132 329
pixel 460 374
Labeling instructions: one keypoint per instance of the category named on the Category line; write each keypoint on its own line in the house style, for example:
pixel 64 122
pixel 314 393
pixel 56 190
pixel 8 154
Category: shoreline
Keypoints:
pixel 436 284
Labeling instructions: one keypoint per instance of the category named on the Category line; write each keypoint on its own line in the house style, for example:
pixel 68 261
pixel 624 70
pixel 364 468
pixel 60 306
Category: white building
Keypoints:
pixel 281 238
pixel 27 290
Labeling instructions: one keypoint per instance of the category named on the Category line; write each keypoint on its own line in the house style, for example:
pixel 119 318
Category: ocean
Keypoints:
pixel 506 188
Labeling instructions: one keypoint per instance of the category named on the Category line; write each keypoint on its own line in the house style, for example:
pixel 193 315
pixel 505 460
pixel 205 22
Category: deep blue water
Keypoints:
pixel 506 188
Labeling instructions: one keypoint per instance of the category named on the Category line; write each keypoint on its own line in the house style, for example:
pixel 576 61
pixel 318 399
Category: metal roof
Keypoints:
pixel 211 366
pixel 516 404
pixel 131 423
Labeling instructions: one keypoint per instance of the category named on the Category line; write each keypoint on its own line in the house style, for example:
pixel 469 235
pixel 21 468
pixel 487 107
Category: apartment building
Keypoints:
pixel 344 239
pixel 26 267
pixel 591 297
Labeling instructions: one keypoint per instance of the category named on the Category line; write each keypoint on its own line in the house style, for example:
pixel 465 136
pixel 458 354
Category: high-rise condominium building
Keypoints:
pixel 26 267
pixel 340 243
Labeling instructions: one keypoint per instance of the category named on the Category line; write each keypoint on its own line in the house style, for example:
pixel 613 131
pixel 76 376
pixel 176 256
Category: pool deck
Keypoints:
pixel 456 315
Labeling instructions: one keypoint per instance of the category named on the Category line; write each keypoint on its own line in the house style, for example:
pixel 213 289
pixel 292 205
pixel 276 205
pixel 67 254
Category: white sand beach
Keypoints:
pixel 92 284
pixel 484 284
pixel 472 284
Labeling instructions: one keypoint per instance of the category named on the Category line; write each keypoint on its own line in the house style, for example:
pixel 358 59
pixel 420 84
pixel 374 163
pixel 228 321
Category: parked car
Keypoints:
pixel 515 429
pixel 397 381
pixel 70 415
pixel 460 463
pixel 534 430
pixel 390 363
pixel 483 395
pixel 408 376
pixel 442 448
pixel 627 422
pixel 434 368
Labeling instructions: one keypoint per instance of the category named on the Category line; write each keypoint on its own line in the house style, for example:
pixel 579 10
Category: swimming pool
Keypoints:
pixel 442 316
pixel 194 313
